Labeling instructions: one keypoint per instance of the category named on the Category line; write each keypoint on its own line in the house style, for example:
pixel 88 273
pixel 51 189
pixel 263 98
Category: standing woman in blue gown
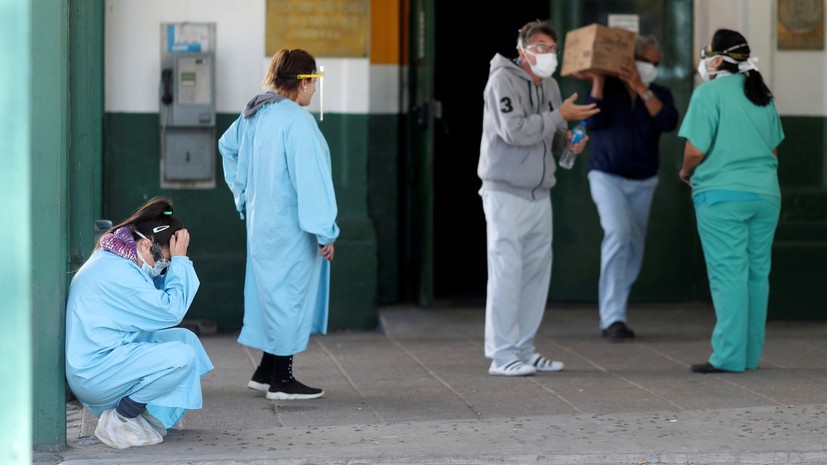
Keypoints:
pixel 277 165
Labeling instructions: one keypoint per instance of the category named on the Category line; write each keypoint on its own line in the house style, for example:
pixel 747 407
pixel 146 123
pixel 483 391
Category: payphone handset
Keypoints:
pixel 166 86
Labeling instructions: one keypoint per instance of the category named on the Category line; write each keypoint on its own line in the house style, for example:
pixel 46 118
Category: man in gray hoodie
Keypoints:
pixel 524 123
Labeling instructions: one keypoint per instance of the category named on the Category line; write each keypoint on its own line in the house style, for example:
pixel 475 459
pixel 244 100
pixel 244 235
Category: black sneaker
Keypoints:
pixel 261 379
pixel 294 390
pixel 708 368
pixel 618 332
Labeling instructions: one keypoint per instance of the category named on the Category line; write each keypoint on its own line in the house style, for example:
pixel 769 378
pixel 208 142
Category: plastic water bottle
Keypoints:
pixel 577 134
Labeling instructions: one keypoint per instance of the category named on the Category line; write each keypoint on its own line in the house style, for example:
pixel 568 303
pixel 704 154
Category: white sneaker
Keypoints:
pixel 514 368
pixel 542 364
pixel 256 386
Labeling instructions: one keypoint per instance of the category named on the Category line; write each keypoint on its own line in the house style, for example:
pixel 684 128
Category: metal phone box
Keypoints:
pixel 187 105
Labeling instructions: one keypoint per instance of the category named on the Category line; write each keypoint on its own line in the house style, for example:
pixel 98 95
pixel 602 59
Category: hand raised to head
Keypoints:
pixel 179 242
pixel 629 74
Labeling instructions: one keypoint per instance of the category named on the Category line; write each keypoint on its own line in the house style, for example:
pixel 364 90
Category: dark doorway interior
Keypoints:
pixel 464 49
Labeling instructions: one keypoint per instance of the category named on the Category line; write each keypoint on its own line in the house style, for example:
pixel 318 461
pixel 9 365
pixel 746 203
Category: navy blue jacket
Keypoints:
pixel 623 137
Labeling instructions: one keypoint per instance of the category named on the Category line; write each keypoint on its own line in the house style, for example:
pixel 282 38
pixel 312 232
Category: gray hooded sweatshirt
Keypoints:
pixel 521 128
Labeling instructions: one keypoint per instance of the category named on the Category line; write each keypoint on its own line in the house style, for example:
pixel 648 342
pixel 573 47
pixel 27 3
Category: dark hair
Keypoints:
pixel 734 45
pixel 531 29
pixel 284 68
pixel 156 212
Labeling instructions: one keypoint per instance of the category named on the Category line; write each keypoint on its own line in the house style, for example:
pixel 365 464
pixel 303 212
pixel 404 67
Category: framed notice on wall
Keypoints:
pixel 329 28
pixel 800 24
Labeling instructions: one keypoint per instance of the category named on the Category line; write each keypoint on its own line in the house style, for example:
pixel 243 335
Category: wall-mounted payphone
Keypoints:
pixel 187 105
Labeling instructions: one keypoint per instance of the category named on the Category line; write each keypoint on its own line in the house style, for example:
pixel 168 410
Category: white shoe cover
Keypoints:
pixel 155 423
pixel 119 432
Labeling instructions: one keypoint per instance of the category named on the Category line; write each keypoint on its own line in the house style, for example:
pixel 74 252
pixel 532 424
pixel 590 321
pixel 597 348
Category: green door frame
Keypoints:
pixel 417 257
pixel 86 115
pixel 66 156
pixel 49 149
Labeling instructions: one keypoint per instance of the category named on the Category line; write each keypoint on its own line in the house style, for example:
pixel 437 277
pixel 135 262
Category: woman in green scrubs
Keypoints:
pixel 732 133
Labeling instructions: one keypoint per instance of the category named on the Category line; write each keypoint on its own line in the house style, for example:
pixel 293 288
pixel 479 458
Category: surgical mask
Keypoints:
pixel 545 64
pixel 702 69
pixel 153 271
pixel 161 262
pixel 647 71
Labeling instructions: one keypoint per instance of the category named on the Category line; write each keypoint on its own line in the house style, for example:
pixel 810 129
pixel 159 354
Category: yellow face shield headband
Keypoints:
pixel 319 75
pixel 308 76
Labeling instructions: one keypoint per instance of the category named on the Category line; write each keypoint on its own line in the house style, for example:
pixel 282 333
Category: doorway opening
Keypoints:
pixel 460 73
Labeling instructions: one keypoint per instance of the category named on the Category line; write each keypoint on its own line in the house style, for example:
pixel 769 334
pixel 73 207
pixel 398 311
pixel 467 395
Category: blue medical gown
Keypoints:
pixel 277 165
pixel 117 341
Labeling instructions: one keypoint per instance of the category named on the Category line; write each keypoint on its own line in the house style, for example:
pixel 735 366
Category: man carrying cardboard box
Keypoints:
pixel 623 168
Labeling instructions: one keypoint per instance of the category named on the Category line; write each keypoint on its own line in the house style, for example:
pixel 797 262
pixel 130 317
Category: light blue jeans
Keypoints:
pixel 623 205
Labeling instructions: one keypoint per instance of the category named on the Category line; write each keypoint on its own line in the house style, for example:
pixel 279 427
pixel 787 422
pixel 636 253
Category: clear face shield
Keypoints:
pixel 320 77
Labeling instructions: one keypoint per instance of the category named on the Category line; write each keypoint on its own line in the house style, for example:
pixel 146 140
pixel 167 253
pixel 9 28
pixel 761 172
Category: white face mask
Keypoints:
pixel 545 64
pixel 161 262
pixel 703 70
pixel 647 71
pixel 152 271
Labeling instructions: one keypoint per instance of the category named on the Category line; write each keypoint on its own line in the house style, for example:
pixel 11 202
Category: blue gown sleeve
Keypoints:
pixel 135 304
pixel 235 168
pixel 308 162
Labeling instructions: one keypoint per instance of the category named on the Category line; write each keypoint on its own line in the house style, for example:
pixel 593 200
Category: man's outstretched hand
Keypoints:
pixel 571 111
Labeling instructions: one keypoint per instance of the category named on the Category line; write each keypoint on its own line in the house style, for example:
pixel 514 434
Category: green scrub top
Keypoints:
pixel 737 138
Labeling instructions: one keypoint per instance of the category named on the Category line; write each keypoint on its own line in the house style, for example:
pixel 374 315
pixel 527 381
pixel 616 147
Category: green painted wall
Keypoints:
pixel 85 127
pixel 131 176
pixel 49 201
pixel 674 268
pixel 800 248
pixel 384 191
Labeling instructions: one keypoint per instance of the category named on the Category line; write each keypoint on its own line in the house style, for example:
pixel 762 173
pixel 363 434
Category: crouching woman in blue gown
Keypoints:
pixel 124 360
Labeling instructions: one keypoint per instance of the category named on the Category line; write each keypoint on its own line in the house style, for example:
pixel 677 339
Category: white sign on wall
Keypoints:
pixel 628 22
pixel 188 38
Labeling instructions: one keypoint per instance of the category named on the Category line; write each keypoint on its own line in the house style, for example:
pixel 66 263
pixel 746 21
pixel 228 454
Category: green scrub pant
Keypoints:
pixel 737 243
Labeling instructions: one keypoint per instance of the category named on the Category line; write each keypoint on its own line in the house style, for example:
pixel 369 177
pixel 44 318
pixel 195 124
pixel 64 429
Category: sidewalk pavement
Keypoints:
pixel 416 391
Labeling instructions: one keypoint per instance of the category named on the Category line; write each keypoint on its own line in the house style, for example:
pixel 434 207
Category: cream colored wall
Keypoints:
pixel 132 50
pixel 795 77
pixel 132 59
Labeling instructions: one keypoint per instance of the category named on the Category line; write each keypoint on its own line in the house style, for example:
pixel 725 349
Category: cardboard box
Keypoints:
pixel 597 48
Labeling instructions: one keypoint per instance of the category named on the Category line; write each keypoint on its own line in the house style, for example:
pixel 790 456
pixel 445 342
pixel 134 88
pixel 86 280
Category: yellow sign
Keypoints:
pixel 329 28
